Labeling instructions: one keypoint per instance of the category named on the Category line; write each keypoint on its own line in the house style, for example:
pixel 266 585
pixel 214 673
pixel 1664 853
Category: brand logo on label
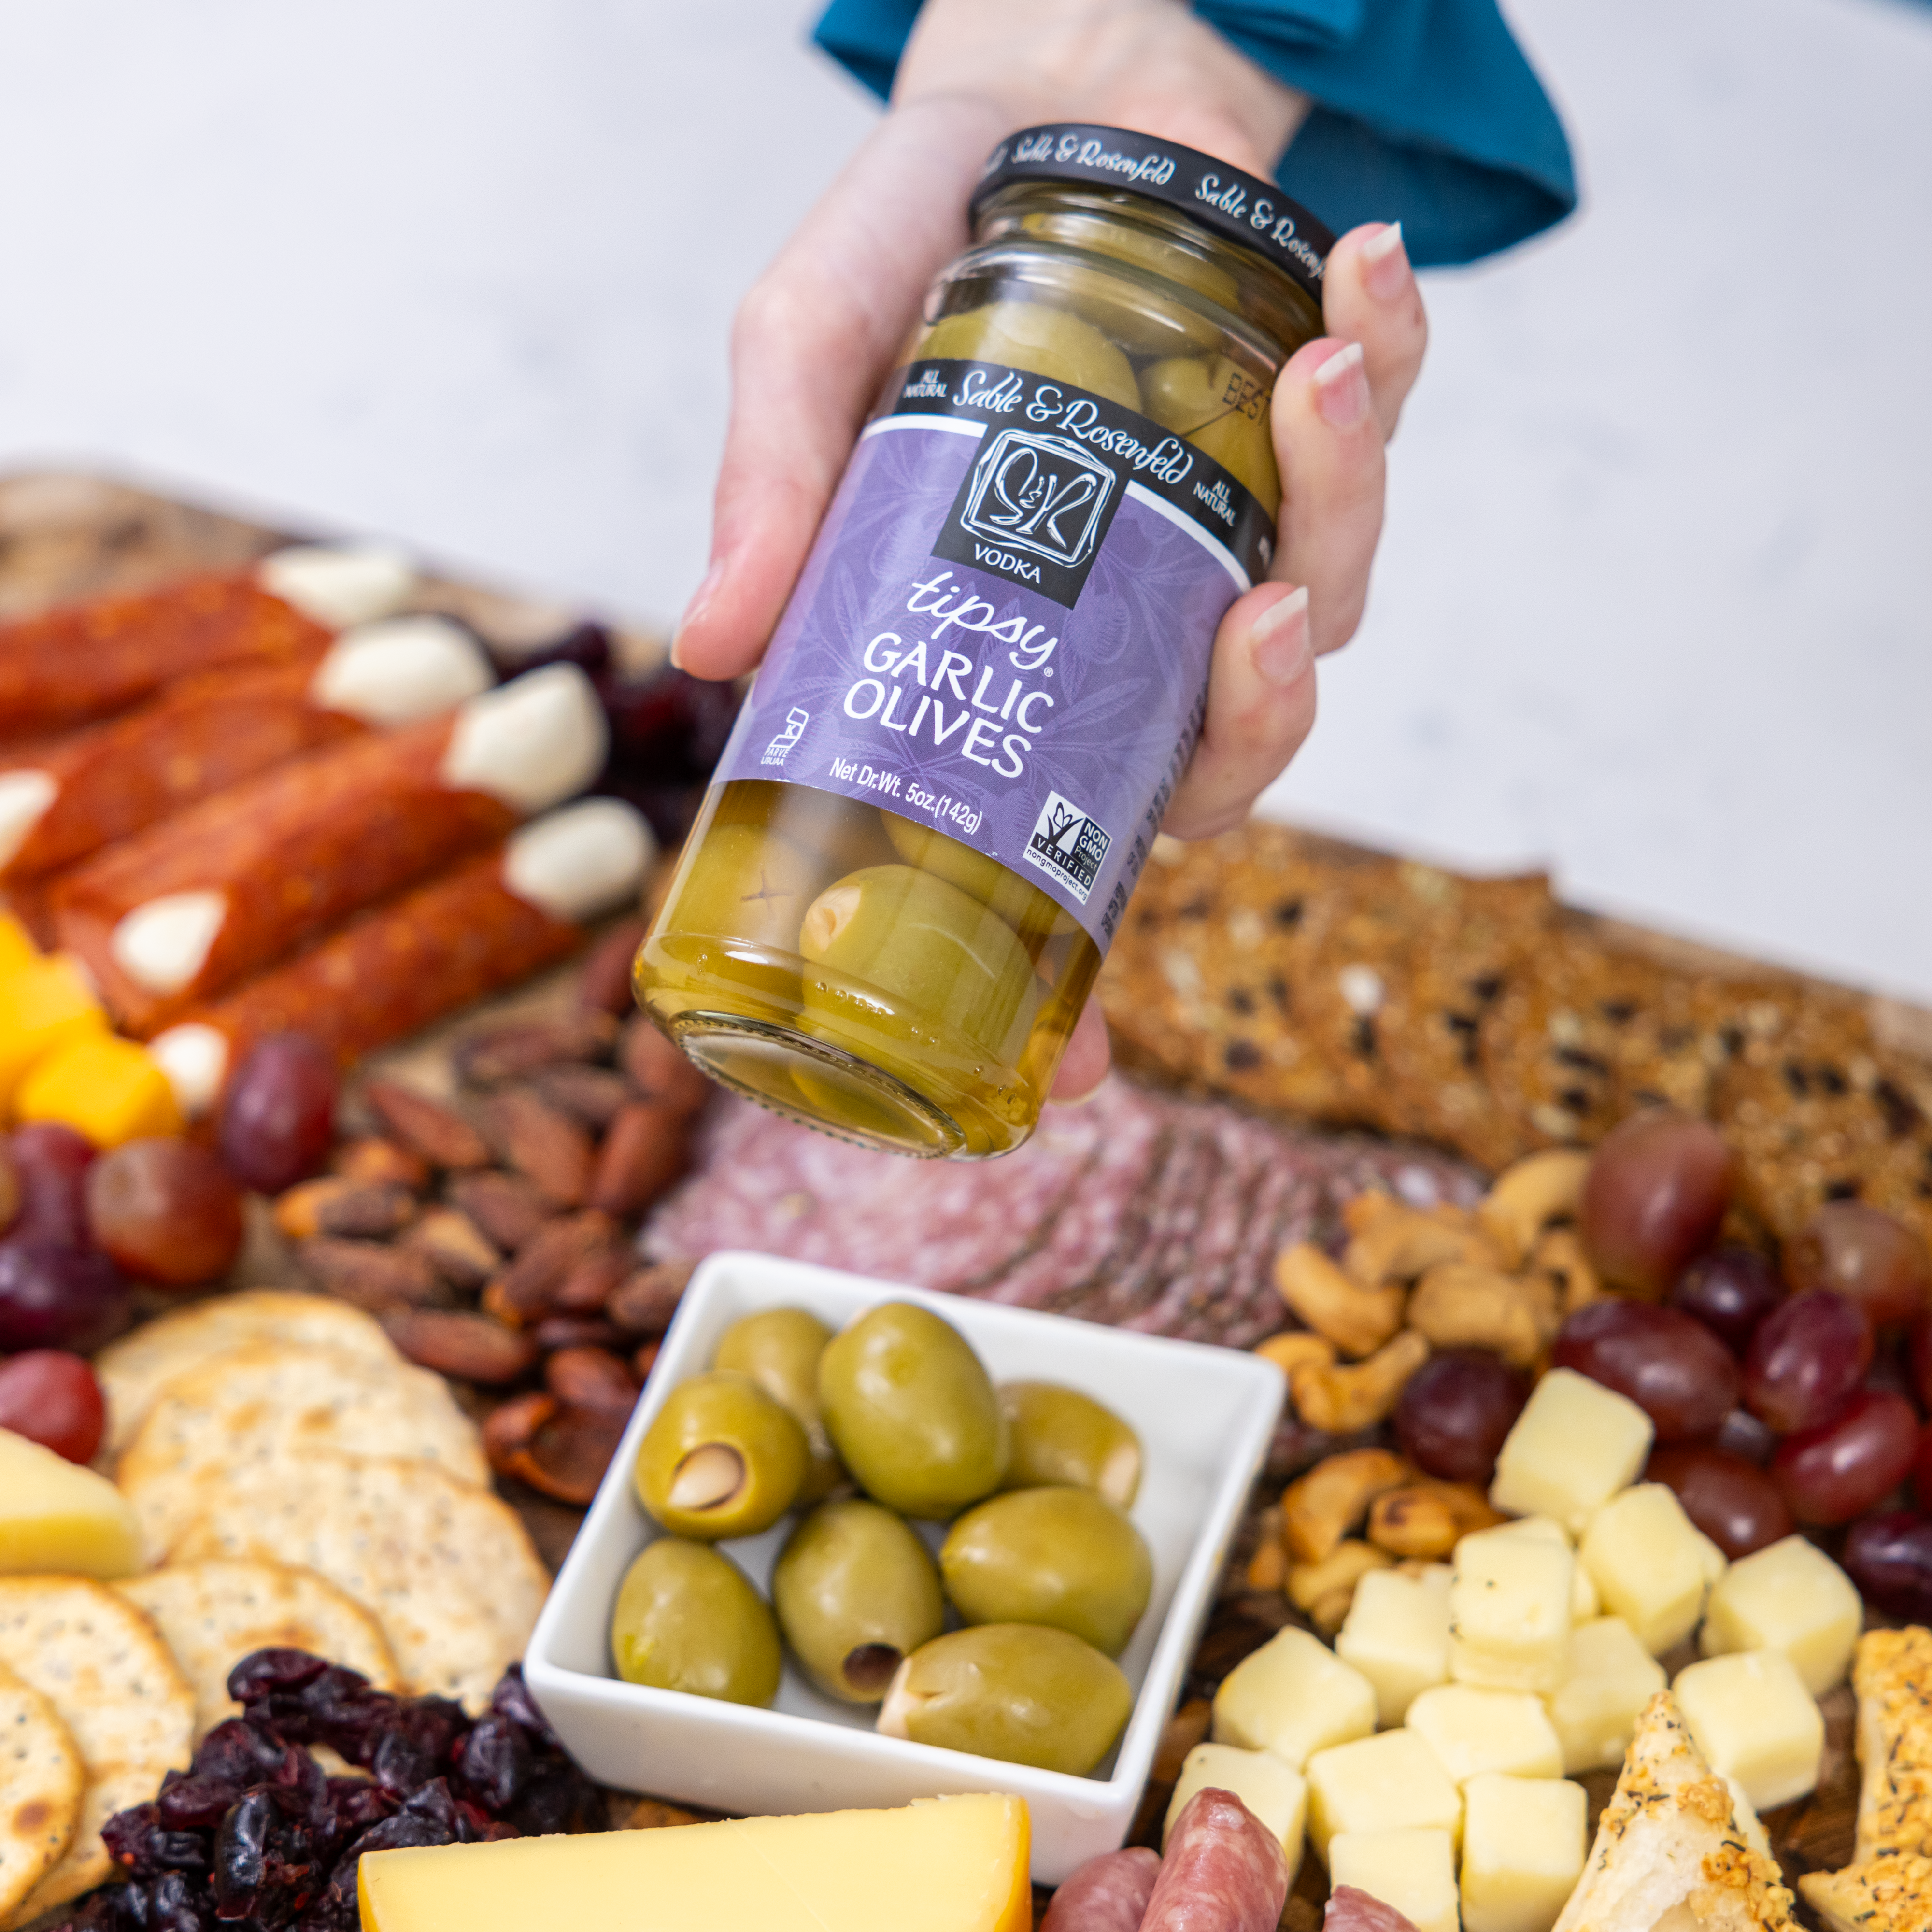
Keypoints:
pixel 795 720
pixel 1067 845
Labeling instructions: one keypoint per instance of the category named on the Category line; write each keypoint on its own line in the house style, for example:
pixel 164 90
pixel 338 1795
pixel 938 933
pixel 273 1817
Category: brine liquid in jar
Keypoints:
pixel 955 759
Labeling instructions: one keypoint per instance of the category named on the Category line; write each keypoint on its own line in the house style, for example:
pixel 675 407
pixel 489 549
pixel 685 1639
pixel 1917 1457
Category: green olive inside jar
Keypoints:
pixel 953 763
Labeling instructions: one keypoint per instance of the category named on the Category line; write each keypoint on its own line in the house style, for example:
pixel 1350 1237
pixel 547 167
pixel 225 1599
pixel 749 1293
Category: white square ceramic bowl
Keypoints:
pixel 1204 1416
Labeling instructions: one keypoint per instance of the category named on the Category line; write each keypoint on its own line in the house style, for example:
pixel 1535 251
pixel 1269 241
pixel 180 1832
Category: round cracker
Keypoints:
pixel 134 1370
pixel 212 1615
pixel 102 1665
pixel 41 1780
pixel 267 1403
pixel 446 1566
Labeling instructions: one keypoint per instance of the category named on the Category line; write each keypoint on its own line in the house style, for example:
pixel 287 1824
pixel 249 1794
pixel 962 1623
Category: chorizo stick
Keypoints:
pixel 1108 1893
pixel 62 802
pixel 1351 1910
pixel 1223 1870
pixel 177 914
pixel 493 920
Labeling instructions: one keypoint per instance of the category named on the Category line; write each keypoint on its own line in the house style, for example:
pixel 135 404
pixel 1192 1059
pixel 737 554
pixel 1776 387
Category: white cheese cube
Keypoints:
pixel 1644 1554
pixel 1583 1601
pixel 1413 1871
pixel 1473 1731
pixel 1396 1635
pixel 1393 1782
pixel 1509 1612
pixel 1754 1721
pixel 1789 1596
pixel 1275 1792
pixel 1575 1444
pixel 1523 1846
pixel 1293 1696
pixel 1595 1709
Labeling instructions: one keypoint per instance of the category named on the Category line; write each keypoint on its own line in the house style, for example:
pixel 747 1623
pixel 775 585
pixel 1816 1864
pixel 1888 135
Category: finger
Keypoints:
pixel 1261 706
pixel 1084 1065
pixel 1329 445
pixel 1369 296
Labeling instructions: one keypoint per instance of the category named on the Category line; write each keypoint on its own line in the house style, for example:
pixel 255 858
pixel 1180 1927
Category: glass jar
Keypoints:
pixel 958 750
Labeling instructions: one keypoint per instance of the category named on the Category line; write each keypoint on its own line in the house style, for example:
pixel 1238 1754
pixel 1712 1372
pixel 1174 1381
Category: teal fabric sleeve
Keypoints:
pixel 1425 112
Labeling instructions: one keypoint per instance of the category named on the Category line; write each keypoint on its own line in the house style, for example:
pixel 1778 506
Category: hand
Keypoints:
pixel 818 333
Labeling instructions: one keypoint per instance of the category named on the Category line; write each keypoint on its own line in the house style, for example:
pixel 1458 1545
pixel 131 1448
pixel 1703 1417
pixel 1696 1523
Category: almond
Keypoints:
pixel 376 1159
pixel 527 1288
pixel 585 1288
pixel 660 1069
pixel 521 1047
pixel 644 1303
pixel 440 1135
pixel 603 980
pixel 590 1094
pixel 508 1210
pixel 550 1148
pixel 368 1274
pixel 575 1331
pixel 645 1149
pixel 455 1247
pixel 336 1205
pixel 456 1342
pixel 592 1379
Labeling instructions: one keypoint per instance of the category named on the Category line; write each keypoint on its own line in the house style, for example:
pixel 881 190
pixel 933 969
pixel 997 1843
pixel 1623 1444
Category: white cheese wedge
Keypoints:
pixel 580 861
pixel 1595 1710
pixel 162 945
pixel 1754 1721
pixel 339 584
pixel 1396 1634
pixel 1584 1602
pixel 1523 1842
pixel 25 796
pixel 56 1516
pixel 1509 1612
pixel 194 1060
pixel 1789 1596
pixel 1575 1444
pixel 1293 1696
pixel 1475 1731
pixel 1648 1560
pixel 1277 1793
pixel 1412 1871
pixel 399 670
pixel 532 743
pixel 1392 1782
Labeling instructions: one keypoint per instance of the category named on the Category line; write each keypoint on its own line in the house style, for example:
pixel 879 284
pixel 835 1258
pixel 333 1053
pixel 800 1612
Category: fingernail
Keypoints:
pixel 1278 639
pixel 1342 388
pixel 1385 267
pixel 694 610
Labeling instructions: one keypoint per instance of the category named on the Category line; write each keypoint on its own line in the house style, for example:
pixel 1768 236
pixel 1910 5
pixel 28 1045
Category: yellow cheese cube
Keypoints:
pixel 1575 1444
pixel 947 1864
pixel 16 945
pixel 1396 1634
pixel 1389 1783
pixel 1789 1596
pixel 1277 1793
pixel 54 1515
pixel 1647 1559
pixel 1293 1696
pixel 1473 1732
pixel 1413 1871
pixel 1595 1709
pixel 1509 1612
pixel 1751 1716
pixel 1523 1848
pixel 109 1089
pixel 1583 1601
pixel 42 1006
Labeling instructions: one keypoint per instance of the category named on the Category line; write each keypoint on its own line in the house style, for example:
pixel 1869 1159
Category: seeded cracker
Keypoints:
pixel 41 1781
pixel 213 1614
pixel 446 1567
pixel 102 1665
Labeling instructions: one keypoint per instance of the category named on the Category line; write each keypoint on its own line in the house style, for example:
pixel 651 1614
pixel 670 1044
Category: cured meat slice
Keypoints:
pixel 493 921
pixel 62 801
pixel 1223 1870
pixel 1352 1910
pixel 177 914
pixel 1108 1893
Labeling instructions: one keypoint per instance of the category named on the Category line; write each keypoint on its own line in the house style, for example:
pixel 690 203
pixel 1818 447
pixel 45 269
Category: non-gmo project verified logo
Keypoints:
pixel 1067 845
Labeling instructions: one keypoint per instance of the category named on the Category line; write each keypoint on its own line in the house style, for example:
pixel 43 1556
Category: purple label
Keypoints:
pixel 1004 627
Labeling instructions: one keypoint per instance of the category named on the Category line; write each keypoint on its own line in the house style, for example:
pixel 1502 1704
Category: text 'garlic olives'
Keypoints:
pixel 1059 1436
pixel 911 1412
pixel 779 1349
pixel 938 796
pixel 686 1619
pixel 721 1458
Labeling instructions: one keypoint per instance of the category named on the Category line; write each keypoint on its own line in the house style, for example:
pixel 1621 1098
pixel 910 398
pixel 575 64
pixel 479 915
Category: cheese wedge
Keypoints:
pixel 111 1089
pixel 948 1865
pixel 56 1516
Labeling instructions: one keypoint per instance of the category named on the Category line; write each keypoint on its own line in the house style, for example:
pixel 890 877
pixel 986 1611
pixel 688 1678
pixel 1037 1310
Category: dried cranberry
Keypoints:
pixel 494 1762
pixel 240 1752
pixel 194 1803
pixel 263 1671
pixel 512 1697
pixel 265 1867
pixel 417 1745
pixel 559 1798
pixel 357 1803
pixel 175 1904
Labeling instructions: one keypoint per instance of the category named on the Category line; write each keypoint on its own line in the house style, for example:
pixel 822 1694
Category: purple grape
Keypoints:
pixel 1889 1557
pixel 50 1162
pixel 58 1297
pixel 1730 1291
pixel 278 1114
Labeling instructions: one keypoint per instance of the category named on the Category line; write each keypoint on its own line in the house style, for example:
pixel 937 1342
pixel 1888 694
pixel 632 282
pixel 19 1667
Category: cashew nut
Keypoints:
pixel 1459 1306
pixel 1342 1569
pixel 1391 1241
pixel 1559 1259
pixel 1329 1613
pixel 1292 1347
pixel 1268 1568
pixel 1342 1399
pixel 1524 1199
pixel 1357 1319
pixel 1426 1519
pixel 1320 1508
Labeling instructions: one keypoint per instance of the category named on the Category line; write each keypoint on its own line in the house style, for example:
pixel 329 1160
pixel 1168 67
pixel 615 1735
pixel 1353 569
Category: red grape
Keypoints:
pixel 58 1297
pixel 278 1116
pixel 50 1162
pixel 1742 1434
pixel 1863 1254
pixel 52 1398
pixel 1730 1291
pixel 165 1211
pixel 1840 1469
pixel 1455 1410
pixel 1658 1185
pixel 1732 1501
pixel 1674 1368
pixel 1807 1356
pixel 1889 1557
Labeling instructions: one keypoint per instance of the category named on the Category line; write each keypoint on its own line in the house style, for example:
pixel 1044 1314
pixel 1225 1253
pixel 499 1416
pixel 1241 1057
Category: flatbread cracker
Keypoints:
pixel 134 1370
pixel 41 1781
pixel 212 1615
pixel 267 1403
pixel 101 1663
pixel 446 1566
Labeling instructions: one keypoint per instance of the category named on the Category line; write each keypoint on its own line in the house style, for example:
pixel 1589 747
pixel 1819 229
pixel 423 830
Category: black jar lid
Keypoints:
pixel 1229 203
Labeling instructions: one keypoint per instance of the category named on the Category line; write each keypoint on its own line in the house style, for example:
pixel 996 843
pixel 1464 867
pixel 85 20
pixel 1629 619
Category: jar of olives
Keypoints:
pixel 956 757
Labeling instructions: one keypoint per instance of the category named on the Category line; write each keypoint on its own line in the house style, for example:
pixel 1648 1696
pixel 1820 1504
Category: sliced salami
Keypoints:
pixel 1351 1910
pixel 1223 1870
pixel 1108 1893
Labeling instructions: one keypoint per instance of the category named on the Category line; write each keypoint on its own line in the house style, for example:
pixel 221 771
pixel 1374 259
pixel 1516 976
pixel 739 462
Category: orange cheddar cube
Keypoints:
pixel 45 1005
pixel 110 1090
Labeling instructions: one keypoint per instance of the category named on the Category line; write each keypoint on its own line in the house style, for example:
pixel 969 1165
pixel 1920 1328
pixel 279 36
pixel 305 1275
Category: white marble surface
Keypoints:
pixel 1653 605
